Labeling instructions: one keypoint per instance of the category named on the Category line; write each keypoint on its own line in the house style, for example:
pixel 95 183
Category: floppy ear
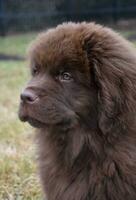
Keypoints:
pixel 112 73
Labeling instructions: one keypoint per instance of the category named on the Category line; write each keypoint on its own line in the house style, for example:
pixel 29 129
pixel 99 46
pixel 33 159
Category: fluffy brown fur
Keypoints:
pixel 82 99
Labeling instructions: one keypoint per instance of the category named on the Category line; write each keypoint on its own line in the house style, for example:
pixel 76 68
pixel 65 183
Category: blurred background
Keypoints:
pixel 23 15
pixel 20 22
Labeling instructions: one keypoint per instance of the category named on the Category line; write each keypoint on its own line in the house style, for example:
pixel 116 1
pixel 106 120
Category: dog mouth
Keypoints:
pixel 25 116
pixel 36 123
pixel 33 122
pixel 45 120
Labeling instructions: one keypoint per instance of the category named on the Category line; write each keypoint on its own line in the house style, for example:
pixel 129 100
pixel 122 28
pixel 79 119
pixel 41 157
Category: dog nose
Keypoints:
pixel 28 96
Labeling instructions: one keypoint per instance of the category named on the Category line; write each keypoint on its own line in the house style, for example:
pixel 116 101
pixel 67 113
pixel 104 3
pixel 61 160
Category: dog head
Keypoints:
pixel 81 74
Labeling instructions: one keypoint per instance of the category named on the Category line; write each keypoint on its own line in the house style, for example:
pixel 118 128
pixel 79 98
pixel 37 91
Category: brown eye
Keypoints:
pixel 66 76
pixel 35 71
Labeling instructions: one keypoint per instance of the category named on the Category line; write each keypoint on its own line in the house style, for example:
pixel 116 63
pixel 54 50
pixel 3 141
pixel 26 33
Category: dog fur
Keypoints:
pixel 87 144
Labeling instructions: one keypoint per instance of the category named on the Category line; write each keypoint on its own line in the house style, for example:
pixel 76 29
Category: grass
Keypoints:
pixel 17 43
pixel 18 171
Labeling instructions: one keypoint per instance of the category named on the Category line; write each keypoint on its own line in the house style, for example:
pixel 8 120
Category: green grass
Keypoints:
pixel 18 171
pixel 15 44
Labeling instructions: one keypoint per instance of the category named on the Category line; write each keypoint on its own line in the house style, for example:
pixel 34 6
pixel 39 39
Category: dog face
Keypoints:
pixel 82 74
pixel 61 90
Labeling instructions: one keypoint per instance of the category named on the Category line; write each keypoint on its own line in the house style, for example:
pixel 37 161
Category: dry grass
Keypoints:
pixel 18 173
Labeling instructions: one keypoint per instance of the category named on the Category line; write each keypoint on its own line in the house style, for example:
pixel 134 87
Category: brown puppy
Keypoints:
pixel 82 99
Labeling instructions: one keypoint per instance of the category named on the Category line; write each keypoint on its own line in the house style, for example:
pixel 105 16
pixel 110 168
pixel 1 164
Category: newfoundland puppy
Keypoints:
pixel 82 100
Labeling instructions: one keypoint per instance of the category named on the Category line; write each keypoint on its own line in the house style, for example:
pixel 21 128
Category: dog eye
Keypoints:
pixel 35 70
pixel 66 76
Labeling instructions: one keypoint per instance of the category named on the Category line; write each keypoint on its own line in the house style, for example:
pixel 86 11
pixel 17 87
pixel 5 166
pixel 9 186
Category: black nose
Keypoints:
pixel 28 96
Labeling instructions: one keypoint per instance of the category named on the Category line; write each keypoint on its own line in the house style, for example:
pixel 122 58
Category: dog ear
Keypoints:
pixel 112 72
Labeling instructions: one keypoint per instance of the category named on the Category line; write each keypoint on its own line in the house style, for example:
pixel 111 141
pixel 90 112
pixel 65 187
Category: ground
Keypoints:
pixel 18 172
